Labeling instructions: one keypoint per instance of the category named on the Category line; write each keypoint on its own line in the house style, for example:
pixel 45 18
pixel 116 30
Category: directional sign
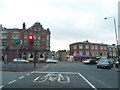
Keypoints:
pixel 18 42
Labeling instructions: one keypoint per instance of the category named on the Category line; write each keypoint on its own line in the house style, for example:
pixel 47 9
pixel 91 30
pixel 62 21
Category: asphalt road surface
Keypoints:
pixel 62 75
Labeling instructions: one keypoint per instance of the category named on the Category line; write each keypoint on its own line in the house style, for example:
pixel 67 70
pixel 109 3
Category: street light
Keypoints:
pixel 115 30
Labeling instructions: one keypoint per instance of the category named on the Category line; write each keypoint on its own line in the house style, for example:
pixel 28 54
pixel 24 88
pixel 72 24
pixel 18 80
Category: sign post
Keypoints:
pixel 17 43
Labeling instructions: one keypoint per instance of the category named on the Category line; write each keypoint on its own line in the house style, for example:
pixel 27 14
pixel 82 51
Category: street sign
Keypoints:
pixel 18 42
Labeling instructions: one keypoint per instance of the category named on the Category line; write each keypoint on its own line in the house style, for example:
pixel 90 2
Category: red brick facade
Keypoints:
pixel 41 42
pixel 87 48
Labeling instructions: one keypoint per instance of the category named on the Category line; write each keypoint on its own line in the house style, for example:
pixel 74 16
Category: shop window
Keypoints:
pixel 41 55
pixel 31 56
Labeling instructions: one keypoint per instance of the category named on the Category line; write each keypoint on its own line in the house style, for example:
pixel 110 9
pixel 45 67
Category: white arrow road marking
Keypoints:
pixel 88 82
pixel 12 81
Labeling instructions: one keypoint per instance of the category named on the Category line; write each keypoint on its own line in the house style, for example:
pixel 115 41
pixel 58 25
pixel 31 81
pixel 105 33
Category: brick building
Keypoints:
pixel 86 49
pixel 39 50
pixel 112 51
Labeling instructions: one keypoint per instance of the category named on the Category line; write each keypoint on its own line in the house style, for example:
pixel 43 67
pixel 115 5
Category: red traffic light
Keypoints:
pixel 74 54
pixel 30 37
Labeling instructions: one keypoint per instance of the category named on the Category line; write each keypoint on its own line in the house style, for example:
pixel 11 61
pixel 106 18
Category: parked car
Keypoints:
pixel 20 60
pixel 49 60
pixel 104 63
pixel 89 61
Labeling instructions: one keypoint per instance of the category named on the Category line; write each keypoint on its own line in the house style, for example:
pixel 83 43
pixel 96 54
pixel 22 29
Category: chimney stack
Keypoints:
pixel 24 25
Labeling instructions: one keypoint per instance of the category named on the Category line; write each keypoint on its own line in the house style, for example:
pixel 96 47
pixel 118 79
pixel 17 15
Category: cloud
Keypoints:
pixel 69 20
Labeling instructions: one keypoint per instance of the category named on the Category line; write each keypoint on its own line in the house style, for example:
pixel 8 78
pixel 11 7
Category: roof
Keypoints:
pixel 88 43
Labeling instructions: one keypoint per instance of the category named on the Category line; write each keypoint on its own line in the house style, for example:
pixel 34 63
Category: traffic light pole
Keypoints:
pixel 34 58
pixel 17 56
pixel 32 47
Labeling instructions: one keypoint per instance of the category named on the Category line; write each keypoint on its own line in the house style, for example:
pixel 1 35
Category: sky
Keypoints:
pixel 69 21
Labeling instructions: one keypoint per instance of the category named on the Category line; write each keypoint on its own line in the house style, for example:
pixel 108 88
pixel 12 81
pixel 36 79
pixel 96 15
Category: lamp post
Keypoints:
pixel 115 31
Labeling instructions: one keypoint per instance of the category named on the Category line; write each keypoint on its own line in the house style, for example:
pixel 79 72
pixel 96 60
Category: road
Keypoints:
pixel 62 75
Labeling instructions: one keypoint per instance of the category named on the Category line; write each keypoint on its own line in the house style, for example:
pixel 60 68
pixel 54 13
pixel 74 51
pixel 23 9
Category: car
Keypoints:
pixel 89 61
pixel 49 60
pixel 104 63
pixel 20 60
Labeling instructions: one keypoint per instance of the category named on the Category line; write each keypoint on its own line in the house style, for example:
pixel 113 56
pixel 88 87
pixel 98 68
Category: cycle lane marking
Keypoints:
pixel 53 77
pixel 41 69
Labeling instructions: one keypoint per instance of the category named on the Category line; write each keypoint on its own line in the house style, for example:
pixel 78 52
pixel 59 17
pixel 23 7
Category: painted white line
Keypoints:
pixel 58 72
pixel 36 78
pixel 1 87
pixel 88 82
pixel 21 77
pixel 28 74
pixel 12 81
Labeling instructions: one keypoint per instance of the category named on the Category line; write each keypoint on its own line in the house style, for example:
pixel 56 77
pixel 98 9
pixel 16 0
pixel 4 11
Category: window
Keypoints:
pixel 4 36
pixel 31 56
pixel 41 55
pixel 96 47
pixel 25 42
pixel 47 48
pixel 105 48
pixel 80 47
pixel 47 37
pixel 92 53
pixel 39 28
pixel 101 54
pixel 92 47
pixel 87 52
pixel 101 47
pixel 35 36
pixel 39 36
pixel 87 46
pixel 75 47
pixel 113 49
pixel 110 49
pixel 80 52
pixel 15 36
pixel 25 36
pixel 35 29
pixel 96 53
pixel 105 53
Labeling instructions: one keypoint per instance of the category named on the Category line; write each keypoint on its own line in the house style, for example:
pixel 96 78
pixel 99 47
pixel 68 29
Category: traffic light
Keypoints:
pixel 31 39
pixel 74 54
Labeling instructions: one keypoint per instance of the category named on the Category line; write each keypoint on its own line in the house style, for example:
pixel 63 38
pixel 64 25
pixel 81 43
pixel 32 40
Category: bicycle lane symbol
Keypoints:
pixel 52 77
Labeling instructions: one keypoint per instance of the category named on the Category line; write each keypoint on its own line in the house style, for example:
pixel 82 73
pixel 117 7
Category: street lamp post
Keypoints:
pixel 115 31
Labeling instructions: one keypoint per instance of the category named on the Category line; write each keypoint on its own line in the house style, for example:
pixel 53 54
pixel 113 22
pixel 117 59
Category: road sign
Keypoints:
pixel 18 42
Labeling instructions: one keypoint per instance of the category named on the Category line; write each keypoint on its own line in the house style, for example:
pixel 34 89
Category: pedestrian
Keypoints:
pixel 2 60
pixel 5 58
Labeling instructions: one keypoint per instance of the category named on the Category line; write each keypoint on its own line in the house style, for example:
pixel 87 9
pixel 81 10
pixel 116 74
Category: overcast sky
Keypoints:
pixel 69 21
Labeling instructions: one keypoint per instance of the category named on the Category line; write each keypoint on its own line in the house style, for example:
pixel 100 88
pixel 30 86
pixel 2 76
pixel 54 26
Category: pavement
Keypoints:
pixel 116 69
pixel 22 67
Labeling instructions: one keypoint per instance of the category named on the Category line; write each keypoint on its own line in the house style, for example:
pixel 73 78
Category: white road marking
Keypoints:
pixel 28 74
pixel 1 87
pixel 88 82
pixel 12 81
pixel 36 78
pixel 58 72
pixel 53 77
pixel 21 77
